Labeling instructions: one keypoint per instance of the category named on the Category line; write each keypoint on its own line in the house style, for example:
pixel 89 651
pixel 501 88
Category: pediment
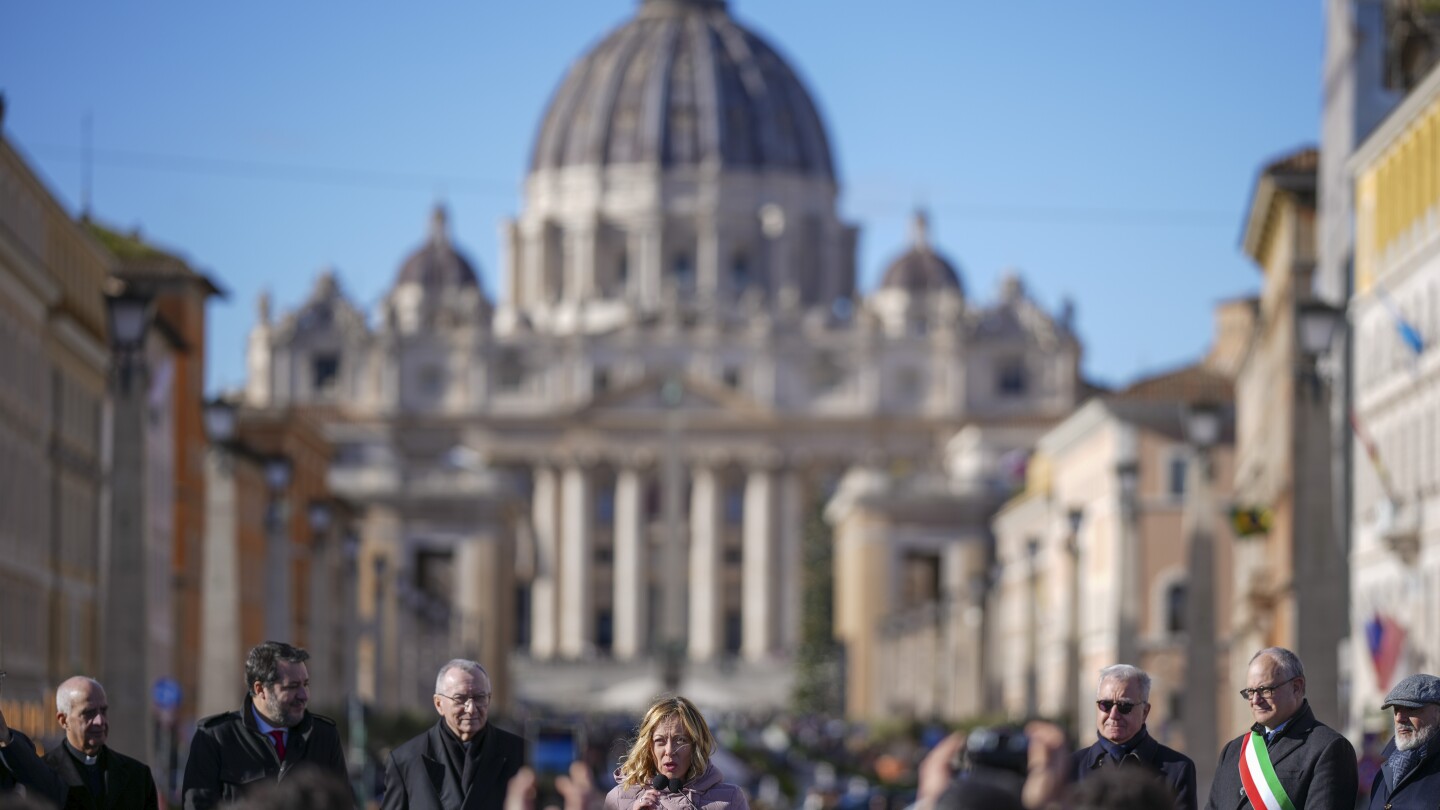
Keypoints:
pixel 654 396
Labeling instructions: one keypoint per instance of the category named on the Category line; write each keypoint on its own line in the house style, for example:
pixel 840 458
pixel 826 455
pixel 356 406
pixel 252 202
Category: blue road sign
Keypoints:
pixel 166 694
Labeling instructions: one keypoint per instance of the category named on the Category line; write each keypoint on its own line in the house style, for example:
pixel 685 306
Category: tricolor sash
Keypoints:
pixel 1262 786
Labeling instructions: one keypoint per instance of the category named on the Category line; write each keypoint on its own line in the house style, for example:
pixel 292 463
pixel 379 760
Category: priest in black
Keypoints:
pixel 462 762
pixel 99 778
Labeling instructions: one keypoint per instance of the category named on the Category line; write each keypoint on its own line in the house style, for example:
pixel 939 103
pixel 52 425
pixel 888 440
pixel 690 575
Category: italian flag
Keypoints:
pixel 1258 776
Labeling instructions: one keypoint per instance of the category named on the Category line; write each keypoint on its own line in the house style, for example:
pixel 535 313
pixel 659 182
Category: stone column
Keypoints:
pixel 577 634
pixel 631 604
pixel 648 264
pixel 534 257
pixel 707 259
pixel 125 663
pixel 706 566
pixel 543 588
pixel 221 663
pixel 580 262
pixel 758 581
pixel 481 612
pixel 791 531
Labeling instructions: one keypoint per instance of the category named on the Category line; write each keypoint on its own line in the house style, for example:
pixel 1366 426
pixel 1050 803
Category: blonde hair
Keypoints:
pixel 639 765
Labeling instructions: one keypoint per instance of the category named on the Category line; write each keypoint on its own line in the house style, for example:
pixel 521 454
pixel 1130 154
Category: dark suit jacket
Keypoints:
pixel 1174 768
pixel 1421 788
pixel 418 778
pixel 19 765
pixel 229 755
pixel 1314 764
pixel 129 784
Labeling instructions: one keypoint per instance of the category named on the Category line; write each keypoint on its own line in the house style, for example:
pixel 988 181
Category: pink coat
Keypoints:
pixel 705 792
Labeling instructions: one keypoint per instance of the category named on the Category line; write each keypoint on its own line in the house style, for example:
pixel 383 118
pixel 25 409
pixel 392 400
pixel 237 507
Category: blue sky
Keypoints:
pixel 1105 150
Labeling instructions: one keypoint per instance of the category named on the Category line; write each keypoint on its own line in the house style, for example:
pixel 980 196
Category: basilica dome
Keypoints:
pixel 921 268
pixel 437 265
pixel 683 85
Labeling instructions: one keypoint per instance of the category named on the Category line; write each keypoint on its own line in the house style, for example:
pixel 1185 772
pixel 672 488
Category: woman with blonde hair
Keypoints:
pixel 669 767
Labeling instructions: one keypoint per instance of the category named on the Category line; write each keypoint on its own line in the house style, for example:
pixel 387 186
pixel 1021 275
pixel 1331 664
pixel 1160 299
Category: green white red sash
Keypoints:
pixel 1257 775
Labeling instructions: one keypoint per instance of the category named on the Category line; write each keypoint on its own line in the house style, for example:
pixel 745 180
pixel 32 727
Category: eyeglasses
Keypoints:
pixel 1124 707
pixel 482 699
pixel 1265 692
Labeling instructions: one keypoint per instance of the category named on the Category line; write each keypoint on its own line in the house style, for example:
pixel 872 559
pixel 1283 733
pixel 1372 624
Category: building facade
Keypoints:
pixel 54 357
pixel 679 371
pixel 1394 317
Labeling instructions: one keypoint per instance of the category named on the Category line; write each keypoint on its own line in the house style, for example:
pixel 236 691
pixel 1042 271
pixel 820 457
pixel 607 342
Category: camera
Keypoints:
pixel 552 748
pixel 1002 748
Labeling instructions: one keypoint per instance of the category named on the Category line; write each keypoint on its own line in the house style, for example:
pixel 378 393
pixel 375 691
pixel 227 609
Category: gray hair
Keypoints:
pixel 1126 673
pixel 458 663
pixel 1288 663
pixel 66 691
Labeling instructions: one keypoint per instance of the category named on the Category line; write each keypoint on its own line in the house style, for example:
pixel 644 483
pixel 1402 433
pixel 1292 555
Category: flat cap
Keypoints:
pixel 1414 692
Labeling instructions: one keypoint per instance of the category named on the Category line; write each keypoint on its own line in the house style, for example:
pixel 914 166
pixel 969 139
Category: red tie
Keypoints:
pixel 279 737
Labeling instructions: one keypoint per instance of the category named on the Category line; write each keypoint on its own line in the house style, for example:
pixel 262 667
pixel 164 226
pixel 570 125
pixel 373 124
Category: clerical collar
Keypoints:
pixel 81 755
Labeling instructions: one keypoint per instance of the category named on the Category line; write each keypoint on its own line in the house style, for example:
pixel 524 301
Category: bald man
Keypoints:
pixel 99 778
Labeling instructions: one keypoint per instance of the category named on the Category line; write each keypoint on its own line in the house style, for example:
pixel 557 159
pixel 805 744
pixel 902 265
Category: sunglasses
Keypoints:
pixel 1125 708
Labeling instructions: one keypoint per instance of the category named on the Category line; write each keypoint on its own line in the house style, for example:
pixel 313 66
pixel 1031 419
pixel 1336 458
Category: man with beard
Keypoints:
pixel 271 736
pixel 1411 776
pixel 461 763
pixel 1288 758
pixel 99 777
pixel 1123 705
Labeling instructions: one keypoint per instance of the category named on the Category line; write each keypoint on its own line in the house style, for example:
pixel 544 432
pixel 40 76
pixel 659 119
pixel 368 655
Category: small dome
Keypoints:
pixel 921 269
pixel 437 265
pixel 682 84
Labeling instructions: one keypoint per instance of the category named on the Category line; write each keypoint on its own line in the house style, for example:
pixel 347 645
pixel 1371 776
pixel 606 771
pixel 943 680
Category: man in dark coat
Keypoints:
pixel 1313 764
pixel 271 736
pixel 1410 778
pixel 20 767
pixel 99 777
pixel 1123 705
pixel 461 763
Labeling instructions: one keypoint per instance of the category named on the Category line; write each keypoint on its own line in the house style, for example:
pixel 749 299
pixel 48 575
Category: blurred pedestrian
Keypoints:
pixel 99 777
pixel 270 737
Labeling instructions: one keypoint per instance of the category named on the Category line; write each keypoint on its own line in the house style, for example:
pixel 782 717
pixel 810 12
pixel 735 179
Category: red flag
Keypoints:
pixel 1386 639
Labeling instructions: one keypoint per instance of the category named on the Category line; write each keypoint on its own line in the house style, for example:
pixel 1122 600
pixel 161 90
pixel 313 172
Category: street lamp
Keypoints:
pixel 1317 324
pixel 1073 519
pixel 221 418
pixel 278 625
pixel 1204 423
pixel 126 661
pixel 1127 647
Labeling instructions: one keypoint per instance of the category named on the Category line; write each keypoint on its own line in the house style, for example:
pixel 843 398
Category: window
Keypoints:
pixel 731 377
pixel 605 630
pixel 324 372
pixel 908 383
pixel 740 271
pixel 432 380
pixel 1011 381
pixel 1175 608
pixel 511 371
pixel 734 627
pixel 734 505
pixel 826 374
pixel 622 271
pixel 605 505
pixel 683 270
pixel 600 380
pixel 1176 475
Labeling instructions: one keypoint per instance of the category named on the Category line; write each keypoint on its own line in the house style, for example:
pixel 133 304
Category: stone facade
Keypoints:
pixel 679 372
pixel 1395 559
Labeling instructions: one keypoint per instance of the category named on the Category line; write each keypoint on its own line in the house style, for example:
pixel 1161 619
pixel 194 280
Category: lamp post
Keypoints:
pixel 1203 425
pixel 322 632
pixel 278 623
pixel 1032 635
pixel 219 655
pixel 1073 520
pixel 1317 543
pixel 1127 641
pixel 125 638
